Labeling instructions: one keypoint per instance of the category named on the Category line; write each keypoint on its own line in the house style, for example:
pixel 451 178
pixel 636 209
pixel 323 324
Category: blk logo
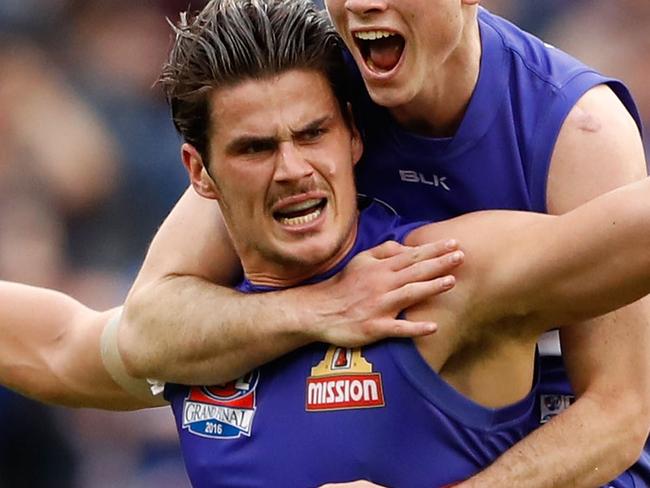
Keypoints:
pixel 415 177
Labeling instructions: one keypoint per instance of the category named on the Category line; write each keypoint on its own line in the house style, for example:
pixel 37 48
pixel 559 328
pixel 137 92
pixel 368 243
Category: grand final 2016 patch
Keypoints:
pixel 224 411
pixel 343 380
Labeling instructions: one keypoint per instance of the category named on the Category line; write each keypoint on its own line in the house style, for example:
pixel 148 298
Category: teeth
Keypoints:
pixel 301 206
pixel 302 219
pixel 372 35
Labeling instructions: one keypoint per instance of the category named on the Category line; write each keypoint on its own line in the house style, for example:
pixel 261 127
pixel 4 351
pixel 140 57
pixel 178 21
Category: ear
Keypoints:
pixel 357 143
pixel 202 182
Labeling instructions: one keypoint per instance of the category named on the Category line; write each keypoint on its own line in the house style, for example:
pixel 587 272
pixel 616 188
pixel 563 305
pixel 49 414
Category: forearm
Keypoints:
pixel 606 253
pixel 189 330
pixel 184 329
pixel 49 350
pixel 583 447
pixel 568 268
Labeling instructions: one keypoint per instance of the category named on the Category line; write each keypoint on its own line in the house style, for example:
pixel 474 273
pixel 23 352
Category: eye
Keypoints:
pixel 257 147
pixel 310 135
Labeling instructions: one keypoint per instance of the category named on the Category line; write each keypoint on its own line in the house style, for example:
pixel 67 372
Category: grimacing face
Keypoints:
pixel 281 167
pixel 400 46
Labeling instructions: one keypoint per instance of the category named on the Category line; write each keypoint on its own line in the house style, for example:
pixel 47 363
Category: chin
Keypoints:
pixel 389 96
pixel 311 255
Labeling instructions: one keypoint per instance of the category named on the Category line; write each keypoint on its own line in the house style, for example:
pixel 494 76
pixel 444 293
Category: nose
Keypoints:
pixel 365 7
pixel 291 164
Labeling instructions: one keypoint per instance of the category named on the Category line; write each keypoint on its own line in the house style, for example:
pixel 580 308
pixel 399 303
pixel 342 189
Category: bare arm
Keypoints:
pixel 602 433
pixel 181 326
pixel 544 270
pixel 50 350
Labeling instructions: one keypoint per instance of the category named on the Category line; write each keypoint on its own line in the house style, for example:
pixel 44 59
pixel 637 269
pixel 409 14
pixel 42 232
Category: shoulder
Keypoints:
pixel 599 148
pixel 576 126
pixel 541 72
pixel 379 222
pixel 544 81
pixel 531 56
pixel 601 110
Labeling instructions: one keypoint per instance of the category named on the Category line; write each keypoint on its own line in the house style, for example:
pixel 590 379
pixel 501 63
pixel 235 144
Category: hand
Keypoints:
pixel 359 305
pixel 352 484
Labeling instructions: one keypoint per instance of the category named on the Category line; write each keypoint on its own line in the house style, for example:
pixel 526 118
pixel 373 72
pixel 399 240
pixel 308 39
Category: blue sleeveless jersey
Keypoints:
pixel 5 400
pixel 499 156
pixel 327 414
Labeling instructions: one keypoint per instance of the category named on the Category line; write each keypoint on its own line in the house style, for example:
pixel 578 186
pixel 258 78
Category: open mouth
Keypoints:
pixel 381 50
pixel 300 213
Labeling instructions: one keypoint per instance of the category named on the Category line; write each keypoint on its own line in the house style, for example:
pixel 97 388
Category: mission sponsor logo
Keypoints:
pixel 223 411
pixel 343 380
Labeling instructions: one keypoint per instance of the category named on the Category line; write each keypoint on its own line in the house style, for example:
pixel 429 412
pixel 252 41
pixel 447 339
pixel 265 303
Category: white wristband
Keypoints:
pixel 147 390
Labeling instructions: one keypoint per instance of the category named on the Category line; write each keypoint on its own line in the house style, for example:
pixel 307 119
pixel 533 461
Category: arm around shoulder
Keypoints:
pixel 184 323
pixel 180 295
pixel 607 359
pixel 181 326
pixel 545 270
pixel 587 262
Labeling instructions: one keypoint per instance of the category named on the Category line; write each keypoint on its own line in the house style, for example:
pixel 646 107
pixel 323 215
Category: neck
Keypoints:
pixel 280 271
pixel 438 109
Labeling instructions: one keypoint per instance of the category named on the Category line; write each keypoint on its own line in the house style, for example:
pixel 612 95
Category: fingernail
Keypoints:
pixel 457 257
pixel 451 244
pixel 448 281
pixel 430 327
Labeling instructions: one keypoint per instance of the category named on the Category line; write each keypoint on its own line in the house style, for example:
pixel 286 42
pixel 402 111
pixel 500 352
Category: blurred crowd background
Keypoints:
pixel 89 167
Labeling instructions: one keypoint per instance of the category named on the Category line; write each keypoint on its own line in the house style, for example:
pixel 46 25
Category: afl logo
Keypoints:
pixel 222 411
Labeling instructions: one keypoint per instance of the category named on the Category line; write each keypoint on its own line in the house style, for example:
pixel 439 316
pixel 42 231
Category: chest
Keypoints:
pixel 431 179
pixel 321 415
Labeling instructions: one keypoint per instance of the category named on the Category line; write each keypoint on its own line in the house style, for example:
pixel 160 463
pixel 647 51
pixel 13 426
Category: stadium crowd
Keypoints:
pixel 89 167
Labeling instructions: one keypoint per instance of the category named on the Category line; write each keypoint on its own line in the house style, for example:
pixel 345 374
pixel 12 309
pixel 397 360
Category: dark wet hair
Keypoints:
pixel 230 41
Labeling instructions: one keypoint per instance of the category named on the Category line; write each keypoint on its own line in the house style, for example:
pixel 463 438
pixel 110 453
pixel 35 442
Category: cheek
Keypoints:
pixel 335 9
pixel 328 172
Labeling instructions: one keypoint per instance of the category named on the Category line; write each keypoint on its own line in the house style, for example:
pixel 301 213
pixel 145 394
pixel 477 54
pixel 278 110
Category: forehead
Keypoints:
pixel 270 105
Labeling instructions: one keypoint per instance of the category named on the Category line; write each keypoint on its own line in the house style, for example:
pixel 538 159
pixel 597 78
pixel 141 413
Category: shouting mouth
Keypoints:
pixel 300 213
pixel 381 50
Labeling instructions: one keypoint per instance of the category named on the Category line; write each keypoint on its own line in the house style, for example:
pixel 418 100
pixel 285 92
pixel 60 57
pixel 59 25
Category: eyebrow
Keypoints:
pixel 239 143
pixel 315 124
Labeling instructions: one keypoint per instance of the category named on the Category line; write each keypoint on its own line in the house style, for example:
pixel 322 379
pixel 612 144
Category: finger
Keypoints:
pixel 412 293
pixel 406 328
pixel 411 255
pixel 430 268
pixel 386 250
